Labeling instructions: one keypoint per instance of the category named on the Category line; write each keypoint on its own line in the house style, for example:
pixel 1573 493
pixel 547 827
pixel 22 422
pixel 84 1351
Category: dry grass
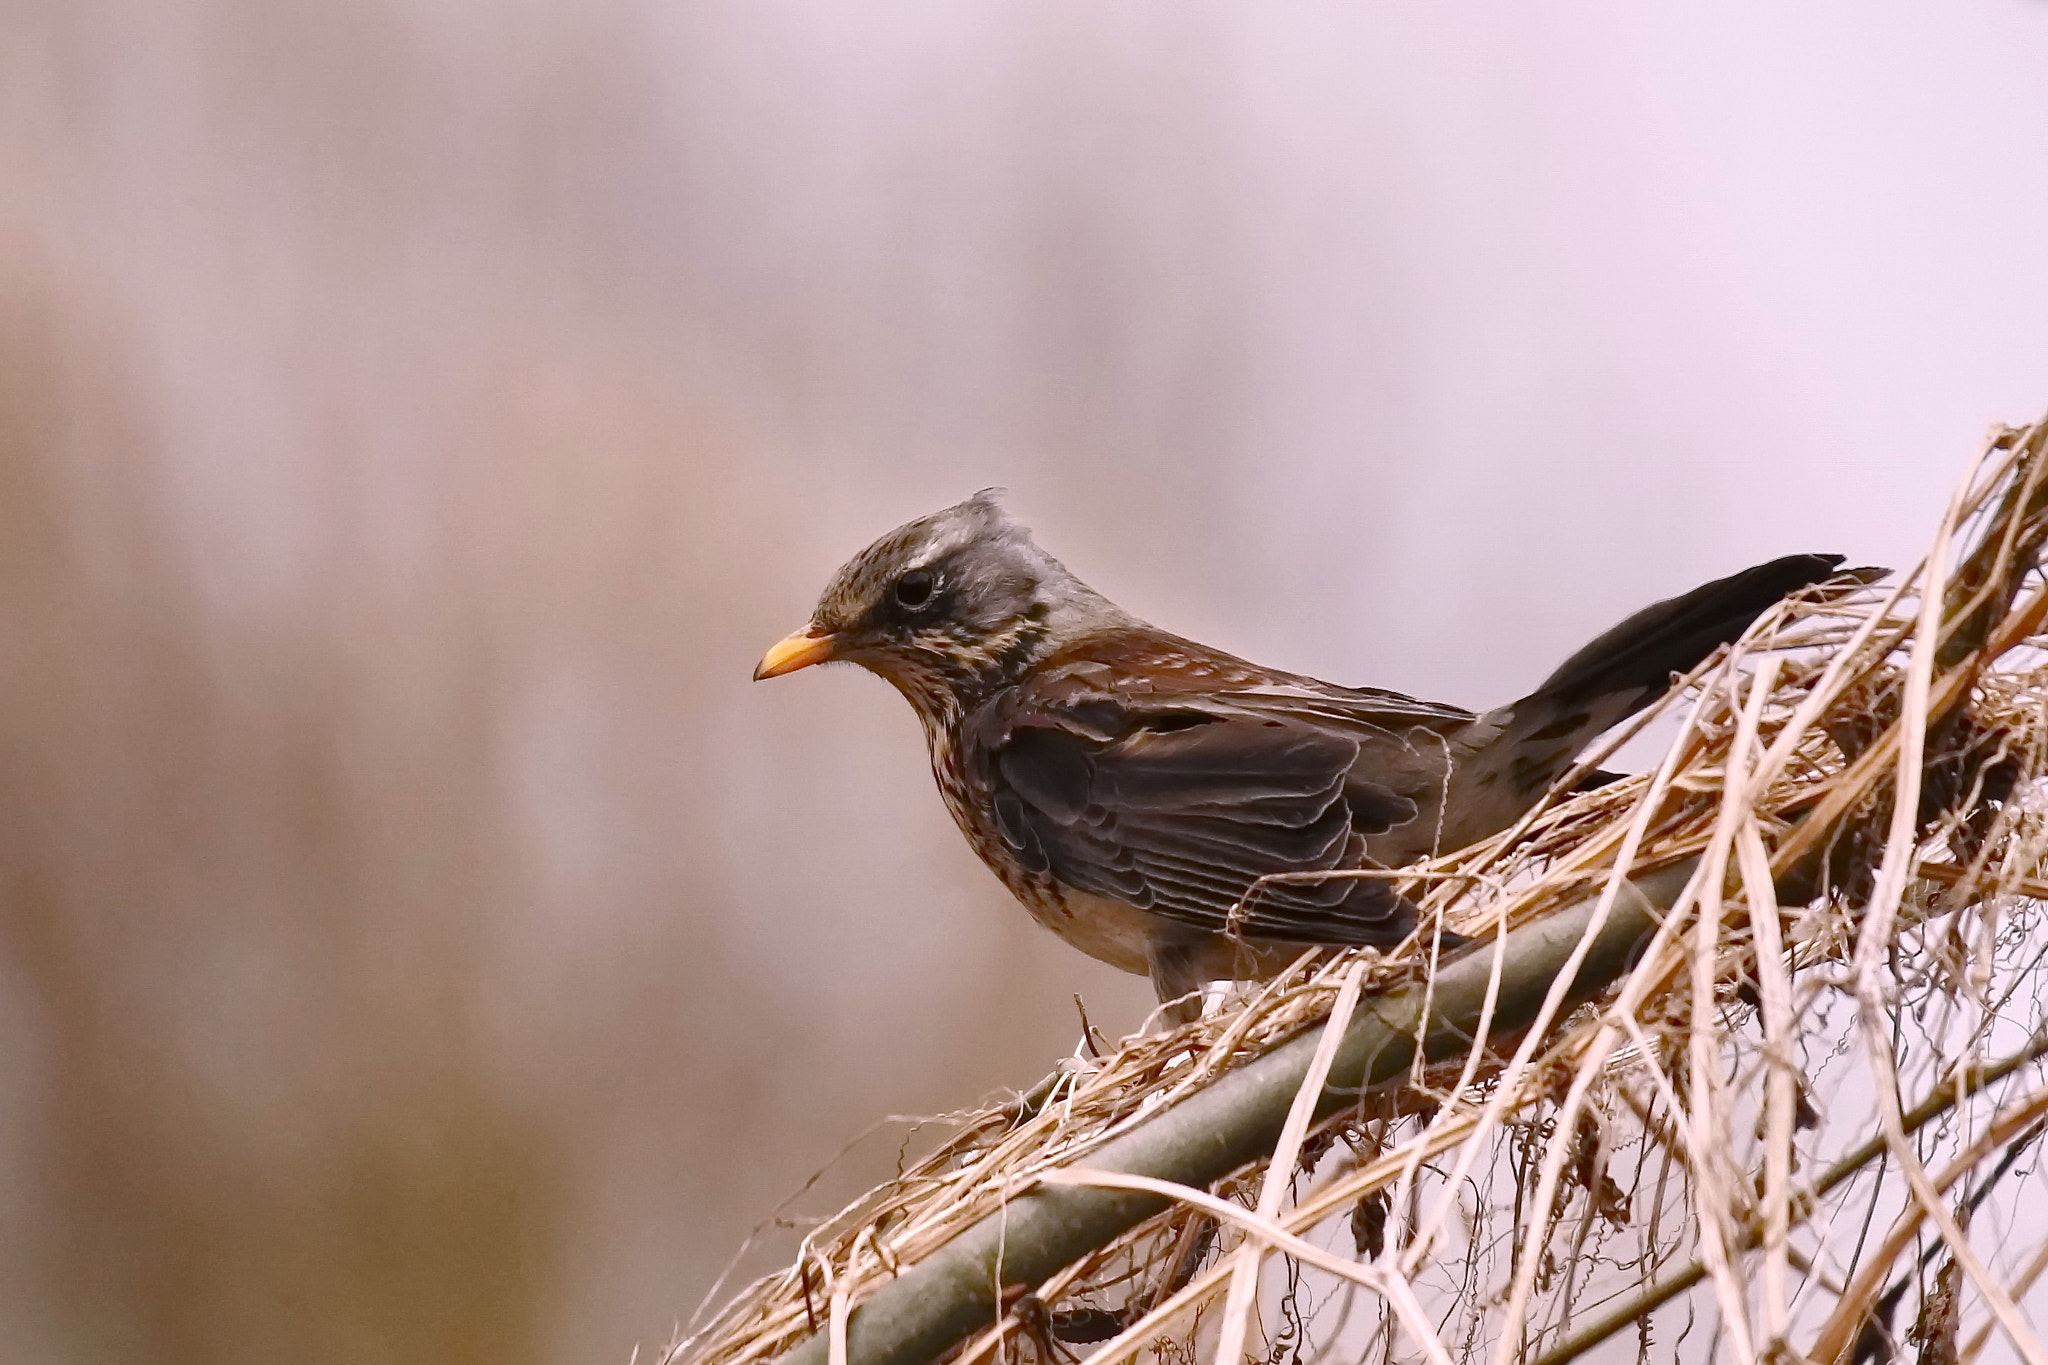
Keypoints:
pixel 1804 1117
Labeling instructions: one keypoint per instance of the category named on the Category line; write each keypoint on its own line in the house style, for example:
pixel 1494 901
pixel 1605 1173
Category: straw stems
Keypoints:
pixel 1244 1280
pixel 1872 950
pixel 1796 782
pixel 1669 1285
pixel 1235 1119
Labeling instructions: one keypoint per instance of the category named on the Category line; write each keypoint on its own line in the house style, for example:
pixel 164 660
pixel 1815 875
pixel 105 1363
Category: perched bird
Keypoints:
pixel 1130 786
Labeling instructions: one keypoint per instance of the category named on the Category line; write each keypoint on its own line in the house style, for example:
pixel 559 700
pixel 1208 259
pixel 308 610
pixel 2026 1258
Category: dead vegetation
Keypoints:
pixel 1800 1123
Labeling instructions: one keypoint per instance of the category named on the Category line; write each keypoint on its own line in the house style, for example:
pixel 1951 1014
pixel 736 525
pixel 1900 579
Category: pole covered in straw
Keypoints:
pixel 953 1292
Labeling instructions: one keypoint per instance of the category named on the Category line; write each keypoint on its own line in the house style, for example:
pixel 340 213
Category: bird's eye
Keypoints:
pixel 914 589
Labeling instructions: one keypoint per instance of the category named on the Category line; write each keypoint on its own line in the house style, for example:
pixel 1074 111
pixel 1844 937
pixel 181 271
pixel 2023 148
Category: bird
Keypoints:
pixel 1140 793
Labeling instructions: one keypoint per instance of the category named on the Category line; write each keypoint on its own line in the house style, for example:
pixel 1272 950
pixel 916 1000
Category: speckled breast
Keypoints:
pixel 1108 931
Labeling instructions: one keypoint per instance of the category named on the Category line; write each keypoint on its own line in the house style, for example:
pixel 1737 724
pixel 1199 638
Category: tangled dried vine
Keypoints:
pixel 1799 1122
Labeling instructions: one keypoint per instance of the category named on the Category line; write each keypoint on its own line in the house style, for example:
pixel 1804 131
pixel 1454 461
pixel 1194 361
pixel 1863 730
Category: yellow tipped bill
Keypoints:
pixel 806 647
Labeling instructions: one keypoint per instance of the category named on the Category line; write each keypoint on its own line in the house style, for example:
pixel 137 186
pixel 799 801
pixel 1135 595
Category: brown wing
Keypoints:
pixel 1177 802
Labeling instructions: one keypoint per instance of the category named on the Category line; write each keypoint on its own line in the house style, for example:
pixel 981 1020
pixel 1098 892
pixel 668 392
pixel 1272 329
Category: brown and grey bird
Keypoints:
pixel 1130 786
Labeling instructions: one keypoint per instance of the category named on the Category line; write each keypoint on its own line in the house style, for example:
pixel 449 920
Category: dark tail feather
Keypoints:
pixel 1612 678
pixel 1674 635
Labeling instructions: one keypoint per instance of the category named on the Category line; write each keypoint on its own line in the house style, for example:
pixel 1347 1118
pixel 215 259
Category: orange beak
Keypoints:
pixel 808 646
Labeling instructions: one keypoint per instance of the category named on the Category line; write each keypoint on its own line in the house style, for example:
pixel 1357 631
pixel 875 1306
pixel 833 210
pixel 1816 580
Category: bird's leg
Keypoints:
pixel 1175 967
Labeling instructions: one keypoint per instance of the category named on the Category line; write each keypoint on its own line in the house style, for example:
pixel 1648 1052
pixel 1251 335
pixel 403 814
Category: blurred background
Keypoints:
pixel 418 938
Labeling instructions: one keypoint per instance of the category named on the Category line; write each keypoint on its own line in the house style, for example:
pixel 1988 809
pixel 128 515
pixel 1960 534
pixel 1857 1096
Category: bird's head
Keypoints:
pixel 948 608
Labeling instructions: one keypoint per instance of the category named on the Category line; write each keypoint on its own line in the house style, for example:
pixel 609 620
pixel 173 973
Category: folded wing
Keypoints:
pixel 1179 804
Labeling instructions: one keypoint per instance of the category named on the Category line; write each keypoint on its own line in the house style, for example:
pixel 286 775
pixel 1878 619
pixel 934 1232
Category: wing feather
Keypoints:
pixel 1179 804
